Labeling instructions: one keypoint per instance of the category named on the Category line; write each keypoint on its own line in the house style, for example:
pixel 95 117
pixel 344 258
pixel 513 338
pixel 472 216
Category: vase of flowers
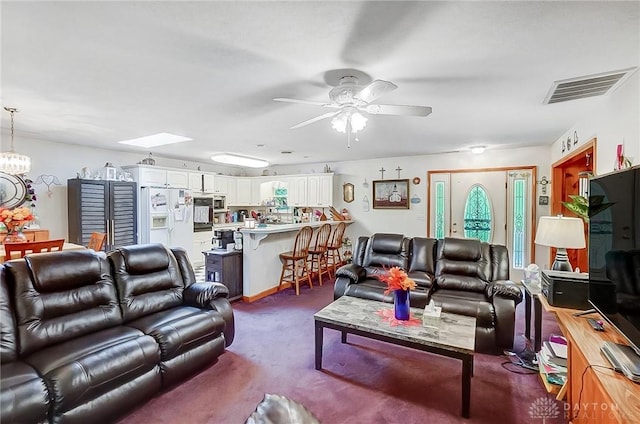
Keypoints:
pixel 14 220
pixel 400 284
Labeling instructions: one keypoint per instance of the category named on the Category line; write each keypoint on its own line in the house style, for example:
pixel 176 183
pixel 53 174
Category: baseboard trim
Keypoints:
pixel 265 293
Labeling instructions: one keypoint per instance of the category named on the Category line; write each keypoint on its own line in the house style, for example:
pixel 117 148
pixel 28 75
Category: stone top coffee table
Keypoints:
pixel 451 335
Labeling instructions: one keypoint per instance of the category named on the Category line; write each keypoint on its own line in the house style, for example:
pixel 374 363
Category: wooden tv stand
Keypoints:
pixel 595 394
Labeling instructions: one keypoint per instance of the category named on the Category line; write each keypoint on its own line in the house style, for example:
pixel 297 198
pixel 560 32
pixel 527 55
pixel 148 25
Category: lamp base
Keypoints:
pixel 561 262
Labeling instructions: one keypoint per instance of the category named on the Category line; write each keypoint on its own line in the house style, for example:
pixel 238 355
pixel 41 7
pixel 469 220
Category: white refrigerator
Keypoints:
pixel 166 217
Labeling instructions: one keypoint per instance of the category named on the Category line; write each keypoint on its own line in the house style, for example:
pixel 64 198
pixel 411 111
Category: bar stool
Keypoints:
pixel 294 263
pixel 334 257
pixel 318 255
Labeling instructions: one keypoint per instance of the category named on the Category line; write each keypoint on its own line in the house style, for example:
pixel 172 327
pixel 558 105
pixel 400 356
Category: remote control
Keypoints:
pixel 597 325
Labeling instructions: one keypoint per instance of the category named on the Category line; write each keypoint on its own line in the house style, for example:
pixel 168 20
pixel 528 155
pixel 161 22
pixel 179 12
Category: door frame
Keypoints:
pixel 534 176
pixel 561 188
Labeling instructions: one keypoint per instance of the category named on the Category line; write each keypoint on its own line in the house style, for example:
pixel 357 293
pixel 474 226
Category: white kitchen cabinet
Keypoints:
pixel 320 190
pixel 201 182
pixel 208 183
pixel 177 179
pixel 195 181
pixel 201 242
pixel 256 200
pixel 243 191
pixel 297 191
pixel 220 184
pixel 232 191
pixel 148 176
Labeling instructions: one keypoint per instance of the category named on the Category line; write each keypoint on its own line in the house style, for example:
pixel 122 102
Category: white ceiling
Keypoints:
pixel 98 72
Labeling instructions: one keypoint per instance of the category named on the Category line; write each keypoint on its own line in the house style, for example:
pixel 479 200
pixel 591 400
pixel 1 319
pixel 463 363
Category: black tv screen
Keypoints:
pixel 614 250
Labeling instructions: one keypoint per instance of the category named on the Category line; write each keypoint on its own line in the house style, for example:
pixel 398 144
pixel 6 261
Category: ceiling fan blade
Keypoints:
pixel 306 102
pixel 374 90
pixel 398 110
pixel 312 120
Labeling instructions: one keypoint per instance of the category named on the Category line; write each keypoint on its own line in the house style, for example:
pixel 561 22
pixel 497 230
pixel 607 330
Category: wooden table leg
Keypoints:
pixel 527 314
pixel 344 337
pixel 538 323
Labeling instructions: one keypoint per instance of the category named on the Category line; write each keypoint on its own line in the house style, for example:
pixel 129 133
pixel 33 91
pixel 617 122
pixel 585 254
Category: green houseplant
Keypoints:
pixel 578 205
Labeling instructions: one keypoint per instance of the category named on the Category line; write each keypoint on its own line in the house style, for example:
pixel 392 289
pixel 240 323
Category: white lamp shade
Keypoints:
pixel 561 232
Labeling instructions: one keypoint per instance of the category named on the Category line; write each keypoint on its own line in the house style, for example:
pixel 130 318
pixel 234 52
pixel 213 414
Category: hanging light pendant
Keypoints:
pixel 12 162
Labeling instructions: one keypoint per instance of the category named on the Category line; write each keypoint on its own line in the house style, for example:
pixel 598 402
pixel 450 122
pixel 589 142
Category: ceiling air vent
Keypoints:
pixel 587 86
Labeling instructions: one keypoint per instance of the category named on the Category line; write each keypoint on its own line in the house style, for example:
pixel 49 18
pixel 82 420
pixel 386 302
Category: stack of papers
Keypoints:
pixel 552 360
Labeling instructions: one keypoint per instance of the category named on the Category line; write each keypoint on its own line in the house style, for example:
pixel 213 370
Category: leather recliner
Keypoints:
pixel 464 276
pixel 86 337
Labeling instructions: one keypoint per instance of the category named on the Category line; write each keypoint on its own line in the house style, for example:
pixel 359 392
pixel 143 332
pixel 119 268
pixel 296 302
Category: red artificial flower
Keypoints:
pixel 396 279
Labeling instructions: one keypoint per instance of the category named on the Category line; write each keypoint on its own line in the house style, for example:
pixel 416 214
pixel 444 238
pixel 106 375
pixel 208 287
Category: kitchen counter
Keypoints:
pixel 261 249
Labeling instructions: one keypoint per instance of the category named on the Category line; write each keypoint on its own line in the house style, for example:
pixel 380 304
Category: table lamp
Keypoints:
pixel 563 233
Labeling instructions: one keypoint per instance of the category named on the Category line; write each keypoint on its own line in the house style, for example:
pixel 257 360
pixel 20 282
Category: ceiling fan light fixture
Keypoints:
pixel 358 122
pixel 355 119
pixel 233 159
pixel 11 162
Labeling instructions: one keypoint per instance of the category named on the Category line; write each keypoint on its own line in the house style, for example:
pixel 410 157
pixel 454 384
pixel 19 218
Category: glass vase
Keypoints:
pixel 15 236
pixel 401 306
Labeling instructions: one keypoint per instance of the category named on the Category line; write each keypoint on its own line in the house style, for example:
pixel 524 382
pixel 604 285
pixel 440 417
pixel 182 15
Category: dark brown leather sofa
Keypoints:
pixel 87 338
pixel 464 276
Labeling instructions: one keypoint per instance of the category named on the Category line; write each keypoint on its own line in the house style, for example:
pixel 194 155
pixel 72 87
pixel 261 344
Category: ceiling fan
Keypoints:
pixel 350 98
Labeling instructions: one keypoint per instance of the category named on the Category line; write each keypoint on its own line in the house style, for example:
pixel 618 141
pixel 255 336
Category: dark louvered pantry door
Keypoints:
pixel 123 229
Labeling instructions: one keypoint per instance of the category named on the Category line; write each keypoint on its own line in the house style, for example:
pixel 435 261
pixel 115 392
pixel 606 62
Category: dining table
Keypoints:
pixel 66 246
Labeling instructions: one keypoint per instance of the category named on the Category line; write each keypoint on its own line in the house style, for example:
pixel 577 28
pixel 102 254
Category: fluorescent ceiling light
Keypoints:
pixel 155 140
pixel 231 159
pixel 478 150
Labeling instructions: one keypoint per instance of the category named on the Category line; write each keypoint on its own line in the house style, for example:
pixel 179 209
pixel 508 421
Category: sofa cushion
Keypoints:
pixel 467 303
pixel 23 394
pixel 83 369
pixel 463 264
pixel 62 295
pixel 178 330
pixel 423 252
pixel 386 250
pixel 148 279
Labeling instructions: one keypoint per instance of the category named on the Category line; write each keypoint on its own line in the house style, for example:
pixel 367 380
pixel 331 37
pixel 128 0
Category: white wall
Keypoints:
pixel 615 120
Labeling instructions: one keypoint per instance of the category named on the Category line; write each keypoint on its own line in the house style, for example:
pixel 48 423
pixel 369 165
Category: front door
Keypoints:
pixel 493 206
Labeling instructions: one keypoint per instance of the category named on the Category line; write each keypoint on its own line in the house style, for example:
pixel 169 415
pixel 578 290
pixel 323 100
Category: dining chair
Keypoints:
pixel 97 241
pixel 318 254
pixel 294 263
pixel 334 257
pixel 10 249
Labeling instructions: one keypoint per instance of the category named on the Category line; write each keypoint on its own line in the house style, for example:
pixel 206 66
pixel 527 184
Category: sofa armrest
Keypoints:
pixel 223 306
pixel 201 294
pixel 352 272
pixel 345 276
pixel 214 296
pixel 504 295
pixel 504 288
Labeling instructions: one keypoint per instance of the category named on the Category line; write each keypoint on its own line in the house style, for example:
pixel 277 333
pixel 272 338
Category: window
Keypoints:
pixel 519 223
pixel 477 215
pixel 440 203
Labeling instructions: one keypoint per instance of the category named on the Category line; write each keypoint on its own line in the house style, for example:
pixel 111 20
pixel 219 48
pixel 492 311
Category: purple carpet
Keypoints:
pixel 363 381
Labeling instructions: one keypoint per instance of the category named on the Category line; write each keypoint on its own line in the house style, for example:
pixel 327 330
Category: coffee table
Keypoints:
pixel 452 335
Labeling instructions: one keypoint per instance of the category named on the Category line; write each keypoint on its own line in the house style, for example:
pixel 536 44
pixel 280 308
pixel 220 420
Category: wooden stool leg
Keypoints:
pixel 296 277
pixel 307 273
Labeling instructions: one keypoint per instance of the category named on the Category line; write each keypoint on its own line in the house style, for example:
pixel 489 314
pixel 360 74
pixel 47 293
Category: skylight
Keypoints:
pixel 155 140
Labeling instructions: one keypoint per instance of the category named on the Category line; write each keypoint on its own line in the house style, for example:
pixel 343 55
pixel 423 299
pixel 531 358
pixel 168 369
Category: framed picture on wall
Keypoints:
pixel 391 194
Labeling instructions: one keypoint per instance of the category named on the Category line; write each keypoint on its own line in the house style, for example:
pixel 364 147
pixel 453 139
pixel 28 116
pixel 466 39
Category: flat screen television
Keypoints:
pixel 614 251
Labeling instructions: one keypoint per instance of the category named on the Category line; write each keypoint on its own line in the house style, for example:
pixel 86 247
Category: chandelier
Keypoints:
pixel 12 162
pixel 348 121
